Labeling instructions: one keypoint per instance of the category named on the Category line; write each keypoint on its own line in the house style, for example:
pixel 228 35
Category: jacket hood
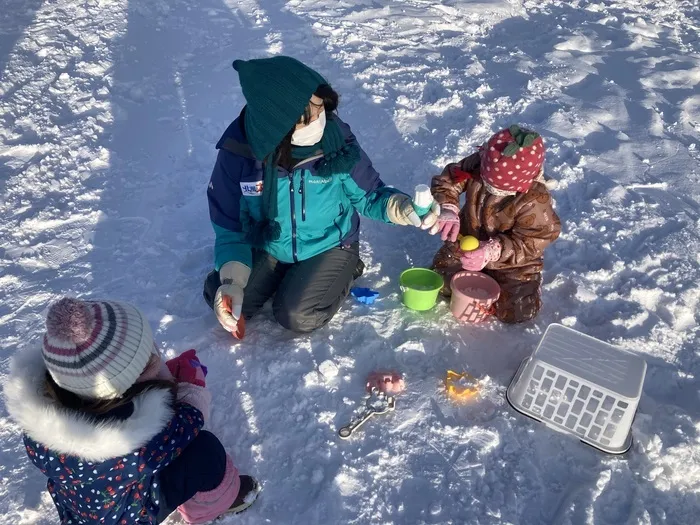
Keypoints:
pixel 235 131
pixel 66 431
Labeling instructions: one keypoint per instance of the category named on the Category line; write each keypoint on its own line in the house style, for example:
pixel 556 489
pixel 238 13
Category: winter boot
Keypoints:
pixel 247 495
pixel 359 270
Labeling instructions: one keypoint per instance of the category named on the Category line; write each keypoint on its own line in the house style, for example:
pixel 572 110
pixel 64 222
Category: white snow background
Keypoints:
pixel 109 112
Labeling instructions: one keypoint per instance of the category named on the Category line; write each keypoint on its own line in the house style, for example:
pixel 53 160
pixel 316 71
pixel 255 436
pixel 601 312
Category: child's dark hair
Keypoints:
pixel 98 407
pixel 330 103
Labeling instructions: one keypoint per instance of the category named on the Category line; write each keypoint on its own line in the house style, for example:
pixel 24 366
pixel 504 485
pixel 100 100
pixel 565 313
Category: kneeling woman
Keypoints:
pixel 289 184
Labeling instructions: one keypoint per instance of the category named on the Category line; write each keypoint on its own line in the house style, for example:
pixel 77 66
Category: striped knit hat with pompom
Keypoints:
pixel 96 349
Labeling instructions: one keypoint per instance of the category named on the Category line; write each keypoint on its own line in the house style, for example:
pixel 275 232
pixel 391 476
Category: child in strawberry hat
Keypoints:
pixel 509 209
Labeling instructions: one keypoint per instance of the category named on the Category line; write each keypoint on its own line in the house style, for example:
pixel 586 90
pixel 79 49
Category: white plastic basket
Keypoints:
pixel 579 385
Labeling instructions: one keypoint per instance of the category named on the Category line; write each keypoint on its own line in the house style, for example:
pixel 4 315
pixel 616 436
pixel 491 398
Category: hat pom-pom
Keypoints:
pixel 70 320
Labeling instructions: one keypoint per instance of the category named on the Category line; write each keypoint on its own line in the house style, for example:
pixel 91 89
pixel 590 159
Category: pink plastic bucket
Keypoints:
pixel 473 294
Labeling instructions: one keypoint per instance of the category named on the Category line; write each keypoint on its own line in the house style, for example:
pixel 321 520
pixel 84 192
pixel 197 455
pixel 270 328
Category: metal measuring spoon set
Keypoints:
pixel 376 403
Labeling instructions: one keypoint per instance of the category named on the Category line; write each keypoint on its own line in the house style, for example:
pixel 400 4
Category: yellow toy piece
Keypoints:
pixel 468 243
pixel 461 387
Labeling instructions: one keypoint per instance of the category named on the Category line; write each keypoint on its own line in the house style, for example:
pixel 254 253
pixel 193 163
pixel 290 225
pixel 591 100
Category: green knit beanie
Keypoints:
pixel 277 91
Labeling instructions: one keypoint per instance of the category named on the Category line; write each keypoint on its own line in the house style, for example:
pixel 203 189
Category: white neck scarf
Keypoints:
pixel 310 134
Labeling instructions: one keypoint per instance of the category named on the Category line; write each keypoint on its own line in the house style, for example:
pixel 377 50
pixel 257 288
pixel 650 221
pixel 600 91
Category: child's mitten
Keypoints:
pixel 447 223
pixel 186 368
pixel 487 252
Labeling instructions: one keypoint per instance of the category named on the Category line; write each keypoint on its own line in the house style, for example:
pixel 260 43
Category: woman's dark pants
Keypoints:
pixel 306 294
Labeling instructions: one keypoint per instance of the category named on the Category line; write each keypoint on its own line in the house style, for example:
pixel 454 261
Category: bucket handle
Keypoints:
pixel 491 310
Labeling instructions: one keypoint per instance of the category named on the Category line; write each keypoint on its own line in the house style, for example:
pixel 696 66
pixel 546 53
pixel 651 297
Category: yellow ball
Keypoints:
pixel 468 243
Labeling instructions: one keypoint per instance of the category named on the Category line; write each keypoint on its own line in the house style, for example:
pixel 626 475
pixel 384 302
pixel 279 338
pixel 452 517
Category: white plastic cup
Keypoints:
pixel 423 200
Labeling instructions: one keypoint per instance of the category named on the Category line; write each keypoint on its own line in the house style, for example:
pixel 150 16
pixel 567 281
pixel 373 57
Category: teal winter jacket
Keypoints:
pixel 315 213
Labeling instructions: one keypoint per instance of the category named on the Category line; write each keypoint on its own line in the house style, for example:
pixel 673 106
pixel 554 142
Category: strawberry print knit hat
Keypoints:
pixel 96 349
pixel 511 160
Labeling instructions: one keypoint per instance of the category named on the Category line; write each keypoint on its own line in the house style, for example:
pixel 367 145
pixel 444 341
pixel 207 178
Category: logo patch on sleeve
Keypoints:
pixel 252 189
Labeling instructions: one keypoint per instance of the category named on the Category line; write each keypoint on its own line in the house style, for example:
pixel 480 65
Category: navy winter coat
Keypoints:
pixel 100 470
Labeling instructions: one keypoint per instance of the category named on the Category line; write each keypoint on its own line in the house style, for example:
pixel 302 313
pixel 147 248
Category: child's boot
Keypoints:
pixel 247 495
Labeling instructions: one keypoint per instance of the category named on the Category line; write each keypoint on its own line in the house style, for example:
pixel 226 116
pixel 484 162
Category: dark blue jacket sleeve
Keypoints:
pixel 166 446
pixel 228 211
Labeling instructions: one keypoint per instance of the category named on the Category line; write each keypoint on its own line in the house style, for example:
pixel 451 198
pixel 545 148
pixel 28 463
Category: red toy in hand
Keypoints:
pixel 186 368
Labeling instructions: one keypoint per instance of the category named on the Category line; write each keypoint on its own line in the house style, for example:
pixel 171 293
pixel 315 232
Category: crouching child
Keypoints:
pixel 118 432
pixel 509 209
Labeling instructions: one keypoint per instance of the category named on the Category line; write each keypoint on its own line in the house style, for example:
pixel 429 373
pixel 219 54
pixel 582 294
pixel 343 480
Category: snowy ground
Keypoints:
pixel 109 110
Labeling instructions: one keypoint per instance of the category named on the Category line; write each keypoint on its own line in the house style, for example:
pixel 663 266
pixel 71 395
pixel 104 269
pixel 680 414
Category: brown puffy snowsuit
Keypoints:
pixel 524 224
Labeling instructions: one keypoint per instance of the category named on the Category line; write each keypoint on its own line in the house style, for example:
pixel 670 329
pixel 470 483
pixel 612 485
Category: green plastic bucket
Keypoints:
pixel 420 288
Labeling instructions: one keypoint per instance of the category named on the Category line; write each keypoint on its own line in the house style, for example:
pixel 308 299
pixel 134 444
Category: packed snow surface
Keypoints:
pixel 109 112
